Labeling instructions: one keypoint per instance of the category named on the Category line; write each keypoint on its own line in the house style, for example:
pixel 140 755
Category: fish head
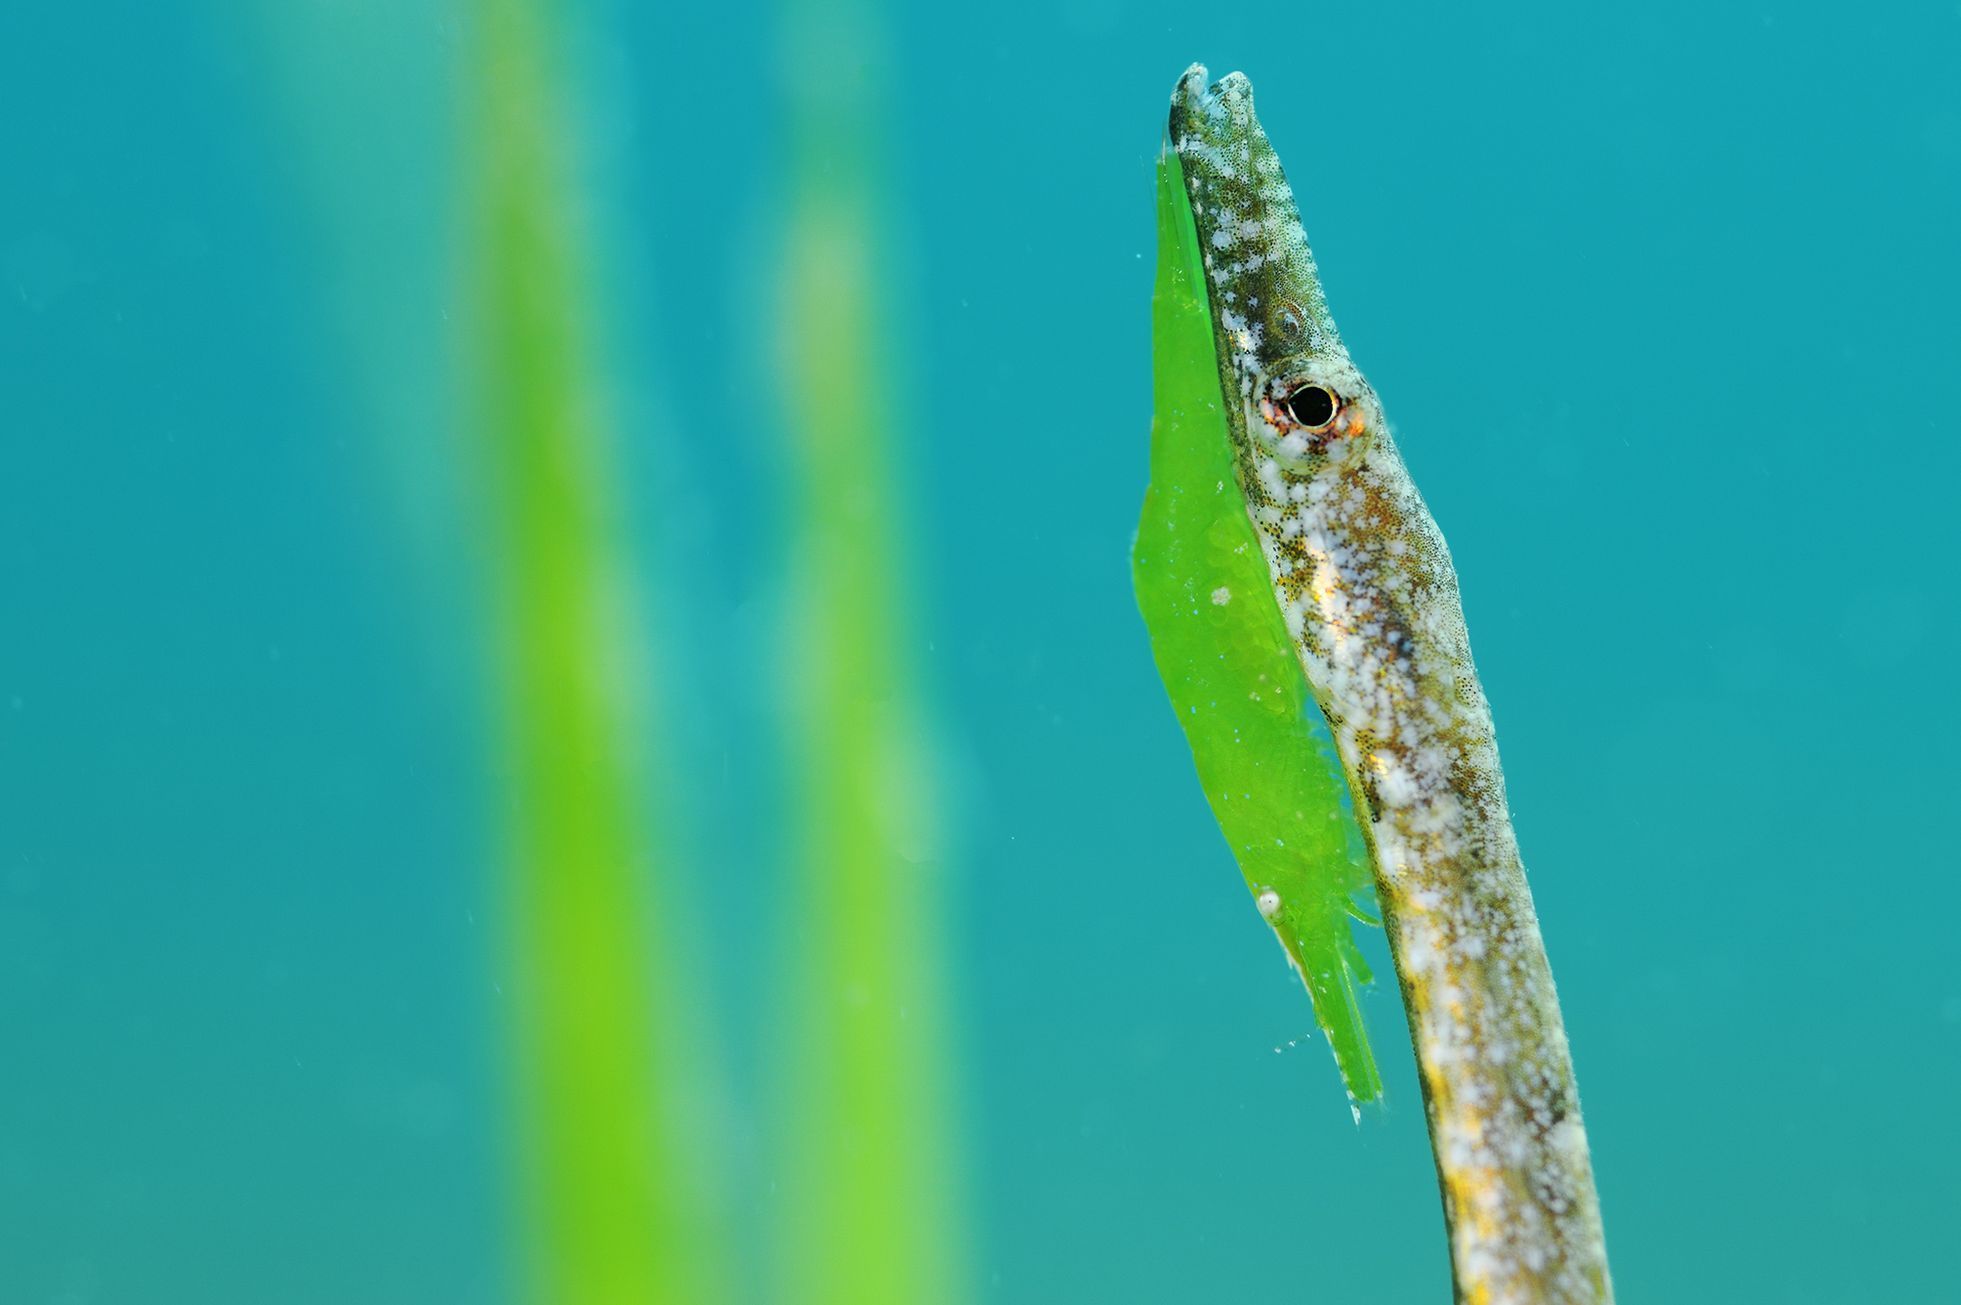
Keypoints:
pixel 1302 401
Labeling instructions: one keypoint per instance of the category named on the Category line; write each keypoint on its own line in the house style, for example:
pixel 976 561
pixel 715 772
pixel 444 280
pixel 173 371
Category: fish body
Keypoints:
pixel 1363 585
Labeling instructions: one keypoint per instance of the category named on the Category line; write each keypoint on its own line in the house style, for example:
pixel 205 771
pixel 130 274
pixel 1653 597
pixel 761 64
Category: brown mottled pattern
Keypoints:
pixel 1365 583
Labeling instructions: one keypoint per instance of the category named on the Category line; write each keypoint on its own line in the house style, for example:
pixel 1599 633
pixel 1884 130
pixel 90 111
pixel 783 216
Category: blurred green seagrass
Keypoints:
pixel 614 1203
pixel 870 1211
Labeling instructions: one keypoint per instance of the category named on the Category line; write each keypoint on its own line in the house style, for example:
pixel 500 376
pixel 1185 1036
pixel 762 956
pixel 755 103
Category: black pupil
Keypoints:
pixel 1311 405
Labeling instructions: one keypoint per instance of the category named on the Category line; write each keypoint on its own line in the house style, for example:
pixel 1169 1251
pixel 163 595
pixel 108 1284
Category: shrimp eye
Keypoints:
pixel 1312 406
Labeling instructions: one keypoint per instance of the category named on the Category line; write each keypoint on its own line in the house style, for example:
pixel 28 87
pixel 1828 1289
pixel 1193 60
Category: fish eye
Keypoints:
pixel 1313 406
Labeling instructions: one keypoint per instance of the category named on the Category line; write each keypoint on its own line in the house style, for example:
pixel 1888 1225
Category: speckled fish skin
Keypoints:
pixel 1366 586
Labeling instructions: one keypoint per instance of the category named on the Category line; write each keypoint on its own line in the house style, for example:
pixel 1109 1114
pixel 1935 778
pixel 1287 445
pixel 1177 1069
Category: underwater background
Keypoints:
pixel 444 444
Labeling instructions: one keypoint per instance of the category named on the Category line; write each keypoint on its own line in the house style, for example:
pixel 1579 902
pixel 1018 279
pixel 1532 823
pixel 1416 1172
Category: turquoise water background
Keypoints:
pixel 1661 300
